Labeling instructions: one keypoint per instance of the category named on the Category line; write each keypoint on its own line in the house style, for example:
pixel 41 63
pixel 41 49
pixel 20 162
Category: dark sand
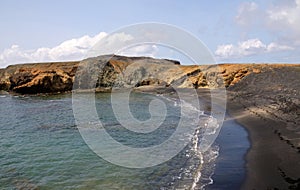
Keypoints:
pixel 267 105
pixel 271 161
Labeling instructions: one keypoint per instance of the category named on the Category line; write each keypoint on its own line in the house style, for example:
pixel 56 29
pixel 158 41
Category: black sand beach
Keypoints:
pixel 267 105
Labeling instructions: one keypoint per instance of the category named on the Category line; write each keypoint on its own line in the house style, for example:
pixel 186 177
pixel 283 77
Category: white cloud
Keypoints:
pixel 225 51
pixel 140 50
pixel 251 46
pixel 111 44
pixel 272 47
pixel 74 49
pixel 248 48
pixel 118 37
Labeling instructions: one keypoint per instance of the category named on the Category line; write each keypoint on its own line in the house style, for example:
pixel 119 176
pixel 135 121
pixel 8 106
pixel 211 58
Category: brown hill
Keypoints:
pixel 106 72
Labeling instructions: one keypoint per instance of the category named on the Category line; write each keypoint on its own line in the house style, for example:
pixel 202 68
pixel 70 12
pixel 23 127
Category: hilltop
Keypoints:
pixel 108 72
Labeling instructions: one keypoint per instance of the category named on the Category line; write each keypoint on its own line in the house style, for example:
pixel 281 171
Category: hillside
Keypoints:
pixel 106 72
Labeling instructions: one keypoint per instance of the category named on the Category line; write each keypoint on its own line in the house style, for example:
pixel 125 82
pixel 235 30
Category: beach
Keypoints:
pixel 271 161
pixel 267 105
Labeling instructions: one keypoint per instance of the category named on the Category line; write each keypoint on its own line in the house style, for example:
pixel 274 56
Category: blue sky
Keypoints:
pixel 234 31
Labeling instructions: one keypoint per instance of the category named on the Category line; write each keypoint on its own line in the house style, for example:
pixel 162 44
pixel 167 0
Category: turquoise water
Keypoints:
pixel 42 148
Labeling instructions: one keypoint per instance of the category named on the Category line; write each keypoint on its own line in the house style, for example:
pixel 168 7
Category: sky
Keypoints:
pixel 234 31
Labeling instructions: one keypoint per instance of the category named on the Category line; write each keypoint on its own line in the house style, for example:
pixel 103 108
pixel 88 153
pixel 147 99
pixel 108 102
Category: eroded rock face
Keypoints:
pixel 124 72
pixel 39 77
pixel 107 72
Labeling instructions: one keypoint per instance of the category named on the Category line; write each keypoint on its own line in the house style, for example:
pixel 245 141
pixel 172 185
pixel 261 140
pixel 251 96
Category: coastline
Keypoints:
pixel 223 178
pixel 234 141
pixel 230 169
pixel 270 161
pixel 267 106
pixel 263 99
pixel 272 156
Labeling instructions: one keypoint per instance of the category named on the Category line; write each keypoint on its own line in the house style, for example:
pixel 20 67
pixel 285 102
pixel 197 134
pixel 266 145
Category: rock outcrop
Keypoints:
pixel 38 78
pixel 112 71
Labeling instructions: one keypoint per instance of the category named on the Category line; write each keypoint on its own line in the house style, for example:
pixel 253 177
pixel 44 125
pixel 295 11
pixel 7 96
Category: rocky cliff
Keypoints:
pixel 38 77
pixel 106 72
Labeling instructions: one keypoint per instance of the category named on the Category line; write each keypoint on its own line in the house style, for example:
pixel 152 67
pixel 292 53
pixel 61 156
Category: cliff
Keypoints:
pixel 105 72
pixel 38 77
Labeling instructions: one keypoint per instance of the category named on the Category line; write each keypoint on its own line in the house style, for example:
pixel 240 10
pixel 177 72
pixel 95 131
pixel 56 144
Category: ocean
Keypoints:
pixel 42 148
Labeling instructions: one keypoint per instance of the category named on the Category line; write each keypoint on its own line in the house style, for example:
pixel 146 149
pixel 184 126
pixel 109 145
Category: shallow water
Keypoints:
pixel 41 147
pixel 230 171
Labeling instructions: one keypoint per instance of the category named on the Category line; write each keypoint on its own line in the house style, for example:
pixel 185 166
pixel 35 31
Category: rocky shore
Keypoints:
pixel 38 77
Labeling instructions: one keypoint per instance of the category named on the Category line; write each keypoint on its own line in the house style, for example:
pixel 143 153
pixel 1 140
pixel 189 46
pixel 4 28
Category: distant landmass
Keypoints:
pixel 123 72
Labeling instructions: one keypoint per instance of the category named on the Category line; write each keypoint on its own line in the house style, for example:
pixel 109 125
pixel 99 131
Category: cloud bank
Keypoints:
pixel 70 50
pixel 248 48
pixel 278 24
pixel 74 49
pixel 141 50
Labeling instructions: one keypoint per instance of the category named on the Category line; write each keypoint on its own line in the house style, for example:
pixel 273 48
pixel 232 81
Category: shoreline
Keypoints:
pixel 274 137
pixel 228 174
pixel 205 99
pixel 270 161
pixel 266 105
pixel 232 156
